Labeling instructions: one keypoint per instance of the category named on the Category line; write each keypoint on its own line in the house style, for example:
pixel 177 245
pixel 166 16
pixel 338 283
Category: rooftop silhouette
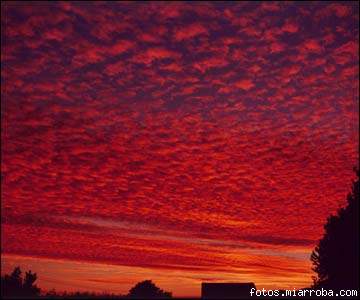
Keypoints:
pixel 226 290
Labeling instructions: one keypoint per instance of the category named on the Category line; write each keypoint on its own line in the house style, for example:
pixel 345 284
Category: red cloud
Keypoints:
pixel 270 6
pixel 212 62
pixel 244 84
pixel 339 10
pixel 120 47
pixel 312 45
pixel 290 27
pixel 56 34
pixel 277 47
pixel 155 53
pixel 349 47
pixel 190 31
pixel 116 68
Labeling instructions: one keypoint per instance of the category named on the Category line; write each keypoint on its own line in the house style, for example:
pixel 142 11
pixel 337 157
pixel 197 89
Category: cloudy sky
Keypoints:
pixel 180 143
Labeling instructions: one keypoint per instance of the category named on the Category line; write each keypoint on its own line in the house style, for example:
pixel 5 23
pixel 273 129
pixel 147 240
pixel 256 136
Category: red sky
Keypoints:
pixel 180 143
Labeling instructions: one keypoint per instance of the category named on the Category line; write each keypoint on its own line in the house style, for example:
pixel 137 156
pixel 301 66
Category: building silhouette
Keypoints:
pixel 226 290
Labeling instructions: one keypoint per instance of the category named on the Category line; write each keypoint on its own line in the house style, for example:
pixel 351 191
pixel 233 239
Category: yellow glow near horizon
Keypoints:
pixel 66 275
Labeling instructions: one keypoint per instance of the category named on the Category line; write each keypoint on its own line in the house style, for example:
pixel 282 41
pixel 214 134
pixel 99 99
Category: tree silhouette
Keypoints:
pixel 147 289
pixel 28 286
pixel 336 257
pixel 13 285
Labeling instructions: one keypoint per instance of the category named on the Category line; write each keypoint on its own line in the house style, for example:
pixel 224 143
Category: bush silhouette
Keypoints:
pixel 14 285
pixel 148 290
pixel 336 257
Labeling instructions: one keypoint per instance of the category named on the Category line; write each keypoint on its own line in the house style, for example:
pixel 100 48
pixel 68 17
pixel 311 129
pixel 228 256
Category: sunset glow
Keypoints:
pixel 181 143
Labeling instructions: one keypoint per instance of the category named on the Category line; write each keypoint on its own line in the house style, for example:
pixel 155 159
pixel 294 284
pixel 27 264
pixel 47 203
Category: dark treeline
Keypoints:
pixel 15 286
pixel 336 257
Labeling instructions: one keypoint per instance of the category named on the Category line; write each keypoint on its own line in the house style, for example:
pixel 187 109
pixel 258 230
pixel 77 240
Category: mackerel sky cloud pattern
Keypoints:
pixel 209 140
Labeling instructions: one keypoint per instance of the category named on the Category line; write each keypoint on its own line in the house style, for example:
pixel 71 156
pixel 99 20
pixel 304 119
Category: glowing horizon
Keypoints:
pixel 72 276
